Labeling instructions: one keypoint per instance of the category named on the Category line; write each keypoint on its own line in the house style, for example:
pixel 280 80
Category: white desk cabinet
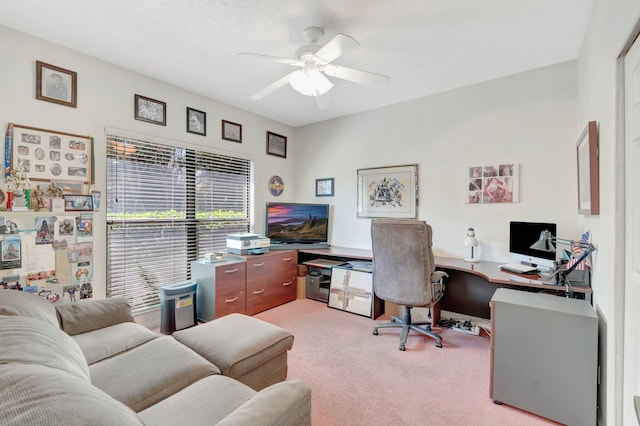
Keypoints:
pixel 544 351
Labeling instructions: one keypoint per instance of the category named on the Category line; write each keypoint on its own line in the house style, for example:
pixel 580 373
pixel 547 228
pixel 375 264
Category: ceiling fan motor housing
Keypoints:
pixel 311 35
pixel 307 52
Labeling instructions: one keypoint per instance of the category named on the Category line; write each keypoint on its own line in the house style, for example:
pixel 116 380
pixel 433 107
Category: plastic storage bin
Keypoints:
pixel 177 306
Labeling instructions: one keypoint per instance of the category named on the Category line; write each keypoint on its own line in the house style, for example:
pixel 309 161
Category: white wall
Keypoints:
pixel 528 118
pixel 105 99
pixel 611 26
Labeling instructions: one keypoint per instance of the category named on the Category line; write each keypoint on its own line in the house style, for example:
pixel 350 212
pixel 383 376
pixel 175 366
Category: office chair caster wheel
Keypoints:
pixel 401 347
pixel 375 332
pixel 438 344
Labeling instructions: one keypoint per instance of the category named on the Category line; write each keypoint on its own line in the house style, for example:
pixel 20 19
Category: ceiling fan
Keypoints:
pixel 315 64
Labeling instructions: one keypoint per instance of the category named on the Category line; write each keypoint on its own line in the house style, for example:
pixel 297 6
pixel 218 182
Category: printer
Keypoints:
pixel 247 243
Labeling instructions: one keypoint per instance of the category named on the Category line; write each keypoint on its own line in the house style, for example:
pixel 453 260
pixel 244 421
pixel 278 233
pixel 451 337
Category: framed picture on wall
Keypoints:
pixel 57 85
pixel 150 110
pixel 231 131
pixel 588 171
pixel 388 191
pixel 196 122
pixel 48 154
pixel 324 187
pixel 493 183
pixel 276 145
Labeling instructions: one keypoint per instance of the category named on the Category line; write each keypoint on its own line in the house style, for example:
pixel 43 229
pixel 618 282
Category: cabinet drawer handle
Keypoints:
pixel 288 283
pixel 258 265
pixel 231 271
pixel 287 259
pixel 259 291
pixel 231 300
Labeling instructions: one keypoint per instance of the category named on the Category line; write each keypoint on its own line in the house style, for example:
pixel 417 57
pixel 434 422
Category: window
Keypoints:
pixel 167 206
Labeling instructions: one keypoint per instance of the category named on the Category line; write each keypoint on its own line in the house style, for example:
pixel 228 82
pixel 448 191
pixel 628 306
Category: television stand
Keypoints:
pixel 298 246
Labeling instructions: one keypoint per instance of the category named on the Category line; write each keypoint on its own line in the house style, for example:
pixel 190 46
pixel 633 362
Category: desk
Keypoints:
pixel 470 285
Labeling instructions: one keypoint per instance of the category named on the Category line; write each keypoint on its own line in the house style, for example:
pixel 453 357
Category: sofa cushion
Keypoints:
pixel 30 341
pixel 281 404
pixel 205 402
pixel 39 395
pixel 237 343
pixel 105 342
pixel 150 372
pixel 89 315
pixel 19 303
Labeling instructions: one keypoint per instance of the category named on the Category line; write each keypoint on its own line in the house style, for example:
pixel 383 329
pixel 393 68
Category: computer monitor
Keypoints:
pixel 297 222
pixel 522 235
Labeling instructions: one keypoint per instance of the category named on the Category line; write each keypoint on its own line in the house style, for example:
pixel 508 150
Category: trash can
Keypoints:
pixel 177 306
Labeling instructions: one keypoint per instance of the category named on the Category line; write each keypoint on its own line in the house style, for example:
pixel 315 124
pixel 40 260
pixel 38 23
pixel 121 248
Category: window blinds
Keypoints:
pixel 167 206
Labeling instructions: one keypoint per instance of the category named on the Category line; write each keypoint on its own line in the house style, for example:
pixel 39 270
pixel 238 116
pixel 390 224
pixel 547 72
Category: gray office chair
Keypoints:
pixel 404 272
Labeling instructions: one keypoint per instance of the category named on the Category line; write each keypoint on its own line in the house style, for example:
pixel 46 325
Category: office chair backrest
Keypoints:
pixel 402 260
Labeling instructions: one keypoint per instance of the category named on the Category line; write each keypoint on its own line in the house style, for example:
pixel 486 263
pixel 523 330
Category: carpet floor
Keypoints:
pixel 361 379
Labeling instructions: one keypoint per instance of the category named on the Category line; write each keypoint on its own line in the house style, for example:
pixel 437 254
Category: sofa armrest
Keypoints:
pixel 282 404
pixel 89 315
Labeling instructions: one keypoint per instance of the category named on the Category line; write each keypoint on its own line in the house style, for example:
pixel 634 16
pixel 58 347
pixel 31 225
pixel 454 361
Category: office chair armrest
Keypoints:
pixel 438 276
pixel 437 285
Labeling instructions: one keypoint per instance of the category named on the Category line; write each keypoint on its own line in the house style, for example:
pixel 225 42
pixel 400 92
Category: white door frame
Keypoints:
pixel 621 278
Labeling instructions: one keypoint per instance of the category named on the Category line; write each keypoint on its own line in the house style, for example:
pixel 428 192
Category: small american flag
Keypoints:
pixel 578 249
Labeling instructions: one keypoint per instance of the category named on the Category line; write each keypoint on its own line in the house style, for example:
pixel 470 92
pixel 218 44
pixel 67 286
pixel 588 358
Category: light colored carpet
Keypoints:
pixel 361 379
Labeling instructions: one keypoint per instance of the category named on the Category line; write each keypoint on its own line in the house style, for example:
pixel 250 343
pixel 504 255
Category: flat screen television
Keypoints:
pixel 522 235
pixel 297 222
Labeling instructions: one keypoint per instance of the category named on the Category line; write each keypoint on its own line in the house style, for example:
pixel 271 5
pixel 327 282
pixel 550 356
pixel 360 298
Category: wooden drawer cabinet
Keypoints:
pixel 230 290
pixel 221 288
pixel 271 280
pixel 245 284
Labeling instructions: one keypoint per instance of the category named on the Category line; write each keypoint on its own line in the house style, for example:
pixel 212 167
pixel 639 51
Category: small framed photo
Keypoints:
pixel 74 203
pixel 57 85
pixel 231 131
pixel 196 122
pixel 276 145
pixel 150 110
pixel 324 187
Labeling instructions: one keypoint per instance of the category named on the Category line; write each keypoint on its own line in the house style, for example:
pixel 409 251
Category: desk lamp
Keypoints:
pixel 471 241
pixel 546 243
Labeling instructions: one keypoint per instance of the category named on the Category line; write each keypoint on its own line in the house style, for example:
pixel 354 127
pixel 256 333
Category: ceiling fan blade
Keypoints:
pixel 324 101
pixel 287 61
pixel 338 46
pixel 273 86
pixel 357 76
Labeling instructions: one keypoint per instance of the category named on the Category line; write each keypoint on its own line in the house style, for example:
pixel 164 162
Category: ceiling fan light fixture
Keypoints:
pixel 310 83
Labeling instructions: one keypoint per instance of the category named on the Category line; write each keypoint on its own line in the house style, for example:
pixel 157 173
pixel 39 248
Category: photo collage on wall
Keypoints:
pixel 49 253
pixel 54 260
pixel 496 183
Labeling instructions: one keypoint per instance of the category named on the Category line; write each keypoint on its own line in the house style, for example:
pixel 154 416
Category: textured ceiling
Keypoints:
pixel 425 46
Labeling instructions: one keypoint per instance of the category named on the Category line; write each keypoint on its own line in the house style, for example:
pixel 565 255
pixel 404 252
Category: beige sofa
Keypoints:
pixel 89 363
